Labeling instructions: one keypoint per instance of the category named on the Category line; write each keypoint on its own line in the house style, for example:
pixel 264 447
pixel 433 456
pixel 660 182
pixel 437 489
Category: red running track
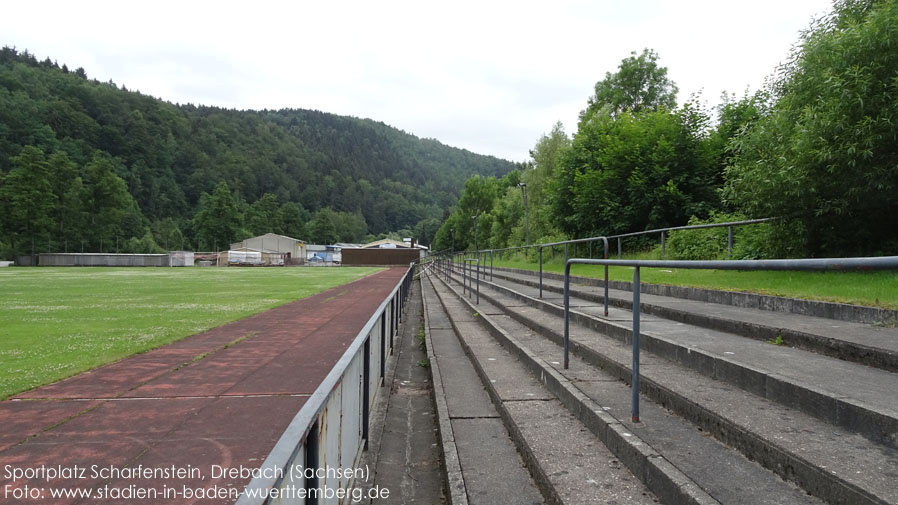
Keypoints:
pixel 222 397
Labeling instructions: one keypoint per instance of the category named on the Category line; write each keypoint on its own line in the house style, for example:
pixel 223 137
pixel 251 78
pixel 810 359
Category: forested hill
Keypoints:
pixel 357 177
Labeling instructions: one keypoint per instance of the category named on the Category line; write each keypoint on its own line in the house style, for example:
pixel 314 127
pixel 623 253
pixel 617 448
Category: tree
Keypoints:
pixel 635 172
pixel 322 229
pixel 426 230
pixel 218 220
pixel 167 233
pixel 546 155
pixel 477 199
pixel 293 219
pixel 825 157
pixel 639 84
pixel 350 226
pixel 27 199
pixel 112 213
pixel 63 172
pixel 264 216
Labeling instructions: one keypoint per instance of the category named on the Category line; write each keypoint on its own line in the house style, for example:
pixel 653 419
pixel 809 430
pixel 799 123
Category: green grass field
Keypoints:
pixel 57 322
pixel 875 289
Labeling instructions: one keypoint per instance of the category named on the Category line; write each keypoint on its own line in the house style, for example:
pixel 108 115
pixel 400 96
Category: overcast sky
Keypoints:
pixel 484 75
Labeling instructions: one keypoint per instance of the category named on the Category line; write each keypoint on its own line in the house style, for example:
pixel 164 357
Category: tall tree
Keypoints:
pixel 264 216
pixel 63 172
pixel 639 171
pixel 322 229
pixel 27 199
pixel 825 157
pixel 639 84
pixel 294 218
pixel 113 214
pixel 546 155
pixel 218 220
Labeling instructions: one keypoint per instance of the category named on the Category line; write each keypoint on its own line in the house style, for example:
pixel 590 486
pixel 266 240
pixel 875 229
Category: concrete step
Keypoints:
pixel 825 460
pixel 481 463
pixel 857 398
pixel 873 345
pixel 569 464
pixel 663 452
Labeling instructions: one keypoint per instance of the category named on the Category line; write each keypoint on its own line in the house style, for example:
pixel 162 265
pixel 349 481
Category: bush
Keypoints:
pixel 754 241
pixel 702 244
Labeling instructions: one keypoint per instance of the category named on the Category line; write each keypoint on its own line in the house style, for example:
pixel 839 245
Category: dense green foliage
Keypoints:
pixel 88 162
pixel 749 242
pixel 634 164
pixel 825 153
pixel 639 171
pixel 818 149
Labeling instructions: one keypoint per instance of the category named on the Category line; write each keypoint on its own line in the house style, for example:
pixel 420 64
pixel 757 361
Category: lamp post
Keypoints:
pixel 474 218
pixel 523 186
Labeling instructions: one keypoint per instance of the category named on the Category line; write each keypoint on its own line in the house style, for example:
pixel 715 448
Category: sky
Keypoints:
pixel 488 76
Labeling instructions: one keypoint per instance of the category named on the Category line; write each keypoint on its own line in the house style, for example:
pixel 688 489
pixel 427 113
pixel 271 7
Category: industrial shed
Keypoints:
pixel 245 256
pixel 292 249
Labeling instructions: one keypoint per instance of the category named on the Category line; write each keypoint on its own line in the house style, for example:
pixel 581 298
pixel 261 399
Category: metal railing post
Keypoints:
pixel 366 389
pixel 619 253
pixel 662 245
pixel 311 461
pixel 540 271
pixel 605 241
pixel 567 312
pixel 383 345
pixel 636 288
pixel 730 241
pixel 491 265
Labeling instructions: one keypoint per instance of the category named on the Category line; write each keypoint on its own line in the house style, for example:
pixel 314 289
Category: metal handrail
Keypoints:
pixel 822 264
pixel 295 438
pixel 477 262
pixel 605 239
pixel 729 225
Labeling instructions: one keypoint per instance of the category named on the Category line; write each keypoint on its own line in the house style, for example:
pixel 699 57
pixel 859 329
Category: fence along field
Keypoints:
pixel 57 322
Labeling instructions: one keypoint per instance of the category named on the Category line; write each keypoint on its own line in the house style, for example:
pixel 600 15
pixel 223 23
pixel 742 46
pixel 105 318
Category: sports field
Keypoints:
pixel 56 322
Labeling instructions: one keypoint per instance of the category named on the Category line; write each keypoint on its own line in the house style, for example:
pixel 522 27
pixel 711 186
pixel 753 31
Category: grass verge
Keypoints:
pixel 874 289
pixel 57 322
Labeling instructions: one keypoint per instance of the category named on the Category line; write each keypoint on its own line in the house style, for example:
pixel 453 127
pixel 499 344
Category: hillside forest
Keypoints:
pixel 92 166
pixel 817 148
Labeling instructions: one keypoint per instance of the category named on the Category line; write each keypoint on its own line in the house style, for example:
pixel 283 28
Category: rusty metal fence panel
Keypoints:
pixel 379 257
